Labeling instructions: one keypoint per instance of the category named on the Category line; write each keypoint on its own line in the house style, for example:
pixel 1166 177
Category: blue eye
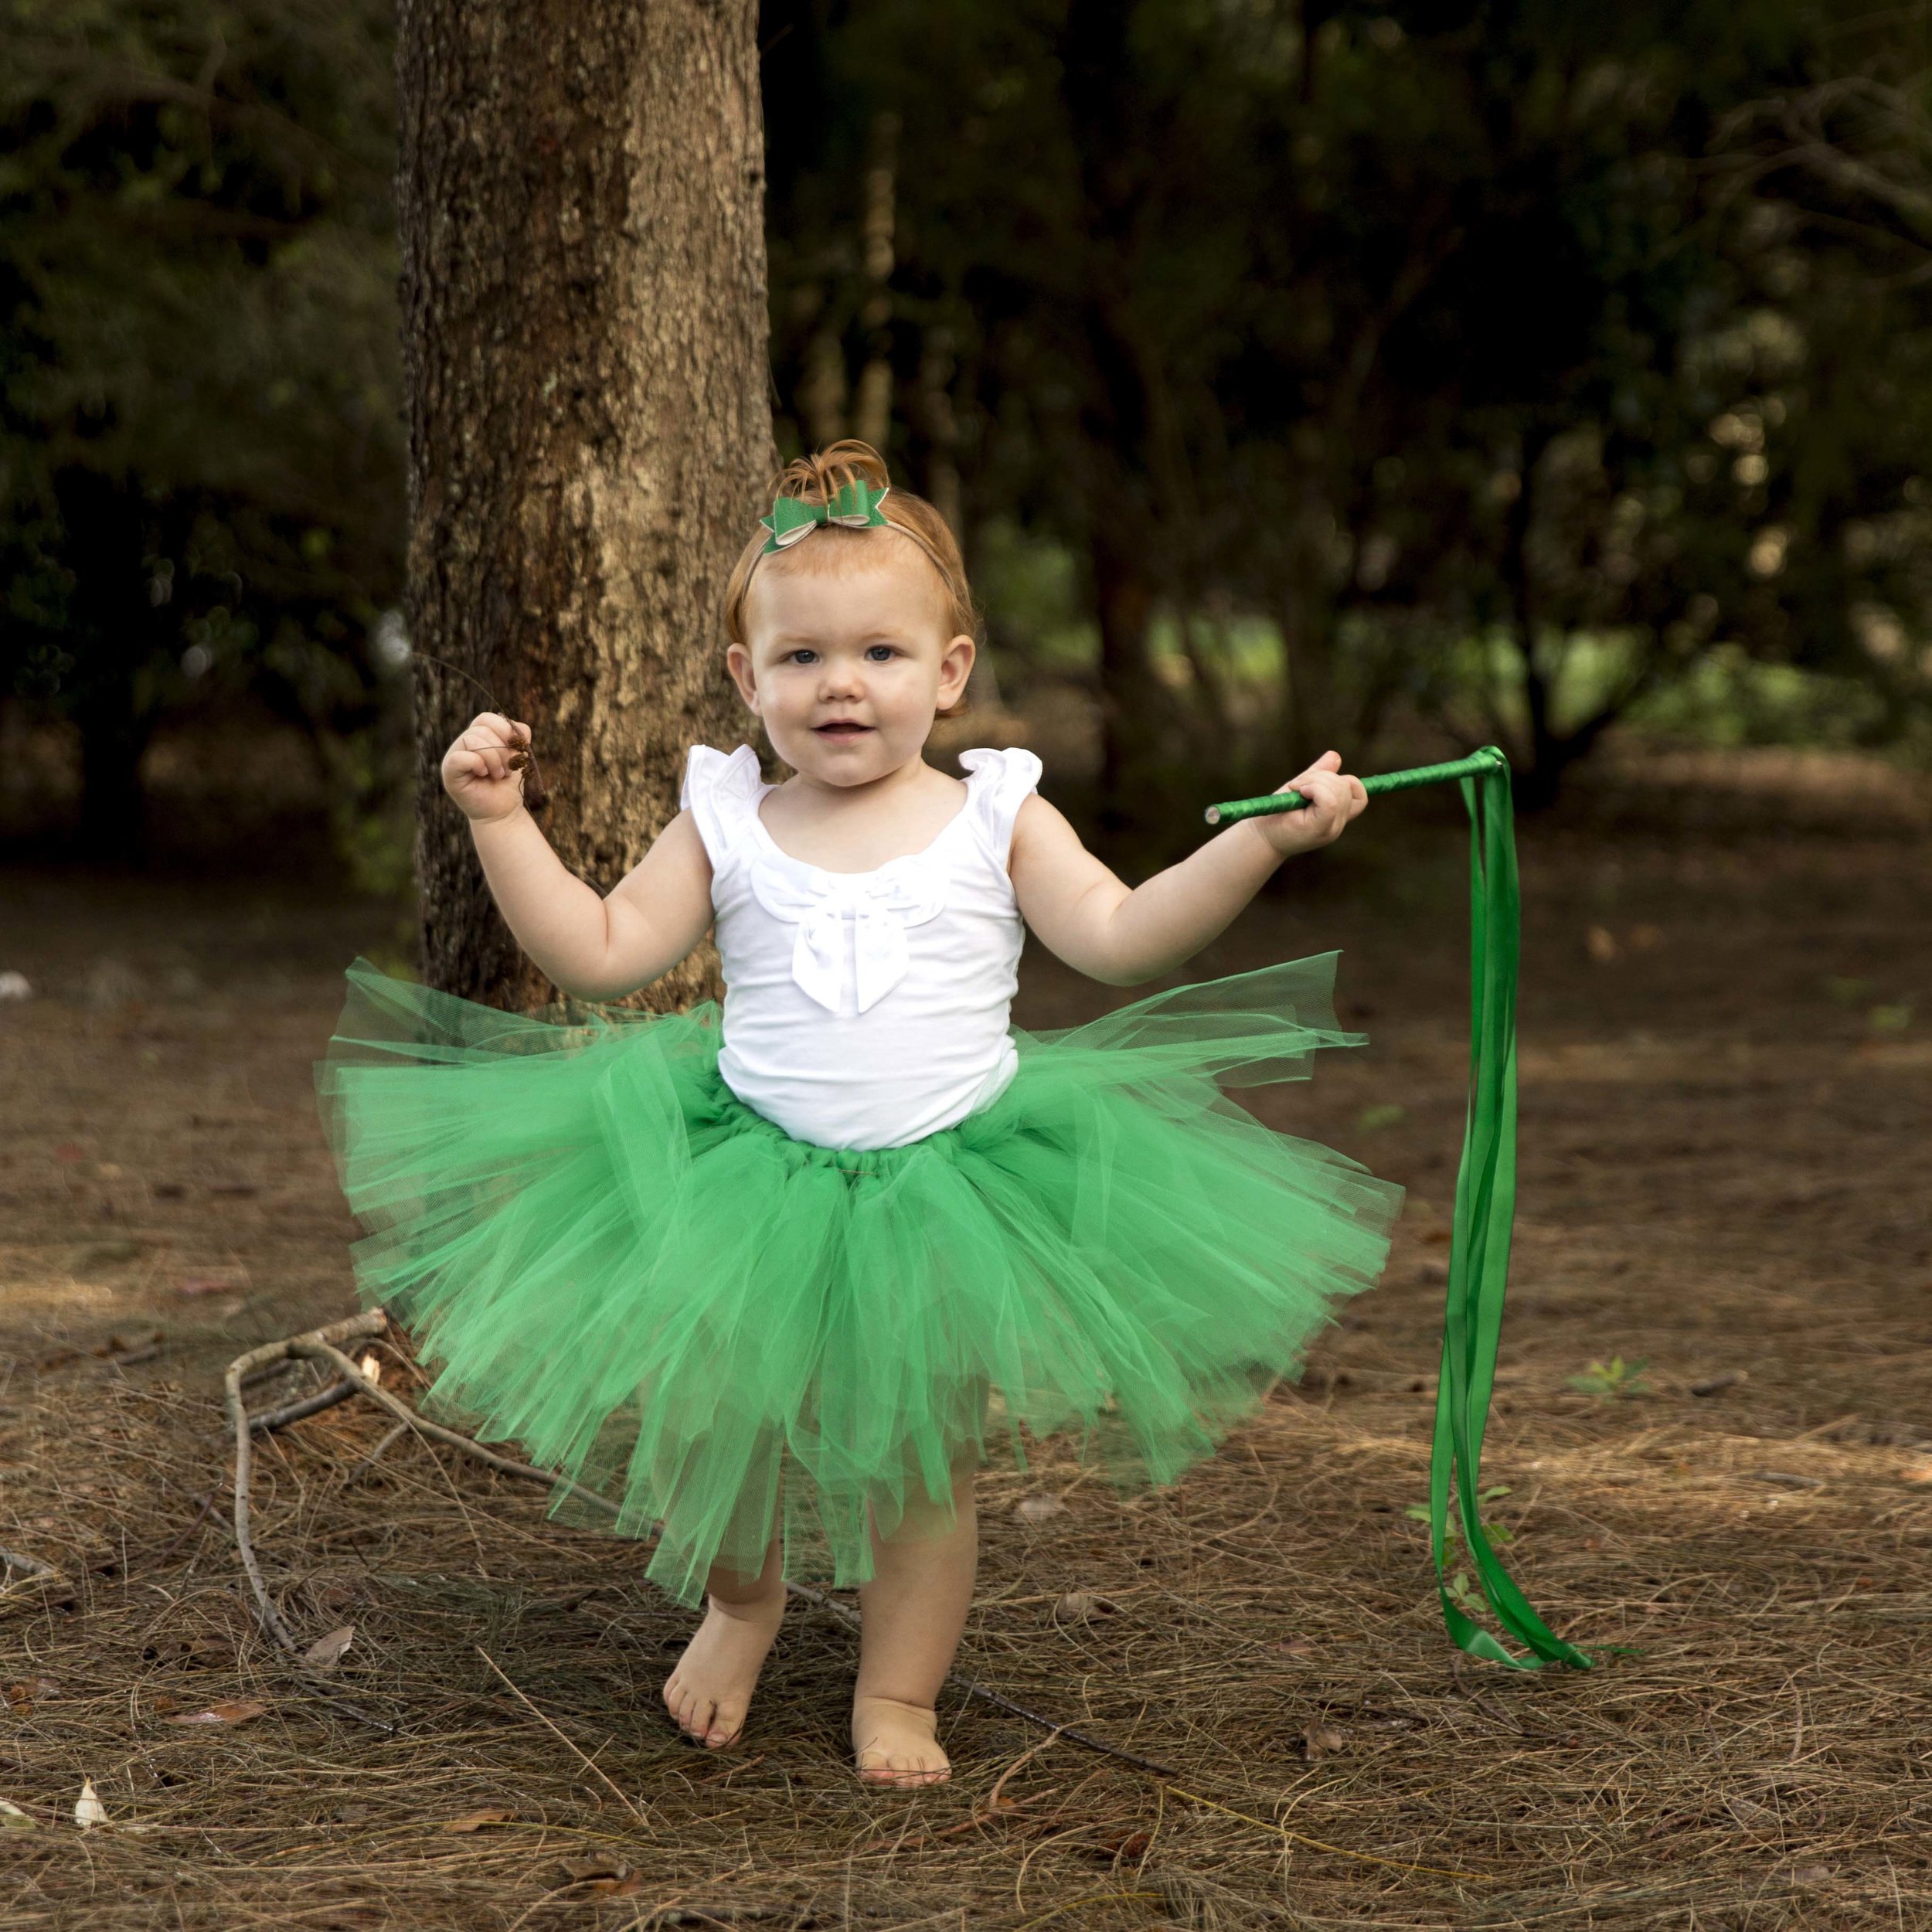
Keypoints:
pixel 802 656
pixel 881 653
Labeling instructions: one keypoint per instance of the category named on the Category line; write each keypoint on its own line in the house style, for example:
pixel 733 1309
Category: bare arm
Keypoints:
pixel 1087 916
pixel 592 947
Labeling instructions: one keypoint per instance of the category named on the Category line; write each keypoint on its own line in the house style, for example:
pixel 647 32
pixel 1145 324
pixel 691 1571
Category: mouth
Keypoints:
pixel 842 730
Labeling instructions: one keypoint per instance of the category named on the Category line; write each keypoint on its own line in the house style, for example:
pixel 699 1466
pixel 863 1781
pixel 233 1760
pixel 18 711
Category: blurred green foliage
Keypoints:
pixel 1293 372
pixel 199 439
pixel 1512 364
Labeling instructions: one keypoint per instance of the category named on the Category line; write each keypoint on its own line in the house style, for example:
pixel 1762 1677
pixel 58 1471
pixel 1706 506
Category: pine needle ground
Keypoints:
pixel 1724 1120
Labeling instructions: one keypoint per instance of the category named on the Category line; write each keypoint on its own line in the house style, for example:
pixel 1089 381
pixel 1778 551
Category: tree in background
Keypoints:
pixel 583 294
pixel 1291 371
pixel 198 441
pixel 1434 337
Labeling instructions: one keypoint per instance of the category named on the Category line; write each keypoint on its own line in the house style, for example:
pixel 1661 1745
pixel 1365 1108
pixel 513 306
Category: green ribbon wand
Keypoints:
pixel 1485 1201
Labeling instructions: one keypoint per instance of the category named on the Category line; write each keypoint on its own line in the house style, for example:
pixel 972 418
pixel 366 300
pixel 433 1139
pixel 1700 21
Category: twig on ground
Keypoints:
pixel 201 1515
pixel 1059 1730
pixel 352 1329
pixel 1482 1700
pixel 301 1409
pixel 589 1764
pixel 376 1455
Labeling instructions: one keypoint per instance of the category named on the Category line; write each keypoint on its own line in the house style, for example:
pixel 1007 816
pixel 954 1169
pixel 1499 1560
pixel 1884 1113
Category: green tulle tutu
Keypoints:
pixel 730 1333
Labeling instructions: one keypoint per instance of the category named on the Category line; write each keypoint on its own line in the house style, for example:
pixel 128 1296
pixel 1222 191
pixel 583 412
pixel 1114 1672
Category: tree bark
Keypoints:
pixel 581 195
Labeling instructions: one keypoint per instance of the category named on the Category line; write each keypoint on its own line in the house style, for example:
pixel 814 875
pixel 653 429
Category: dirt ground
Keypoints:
pixel 1726 1083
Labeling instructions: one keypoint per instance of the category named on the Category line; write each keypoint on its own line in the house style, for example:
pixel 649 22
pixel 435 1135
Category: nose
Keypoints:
pixel 840 679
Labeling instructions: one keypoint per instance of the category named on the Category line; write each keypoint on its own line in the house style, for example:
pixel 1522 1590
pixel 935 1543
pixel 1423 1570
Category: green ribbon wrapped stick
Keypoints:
pixel 1485 1207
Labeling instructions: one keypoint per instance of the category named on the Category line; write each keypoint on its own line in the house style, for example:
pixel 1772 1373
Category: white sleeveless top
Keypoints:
pixel 864 1009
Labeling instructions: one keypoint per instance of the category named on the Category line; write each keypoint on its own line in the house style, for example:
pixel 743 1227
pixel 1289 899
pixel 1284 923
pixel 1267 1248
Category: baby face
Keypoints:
pixel 846 657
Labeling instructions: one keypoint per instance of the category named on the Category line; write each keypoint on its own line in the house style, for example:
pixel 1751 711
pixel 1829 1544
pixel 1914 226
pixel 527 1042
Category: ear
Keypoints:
pixel 955 666
pixel 738 662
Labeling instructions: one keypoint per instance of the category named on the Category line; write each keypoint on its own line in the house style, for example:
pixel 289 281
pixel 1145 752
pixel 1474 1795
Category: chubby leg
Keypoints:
pixel 913 1611
pixel 710 1690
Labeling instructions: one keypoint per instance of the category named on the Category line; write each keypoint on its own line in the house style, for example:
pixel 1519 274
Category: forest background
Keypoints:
pixel 1396 377
pixel 1376 376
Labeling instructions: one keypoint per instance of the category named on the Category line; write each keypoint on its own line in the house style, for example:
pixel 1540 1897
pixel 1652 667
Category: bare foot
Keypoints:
pixel 710 1690
pixel 896 1743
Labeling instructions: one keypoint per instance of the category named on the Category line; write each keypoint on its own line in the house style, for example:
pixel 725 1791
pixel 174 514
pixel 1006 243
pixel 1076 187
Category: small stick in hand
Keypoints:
pixel 536 794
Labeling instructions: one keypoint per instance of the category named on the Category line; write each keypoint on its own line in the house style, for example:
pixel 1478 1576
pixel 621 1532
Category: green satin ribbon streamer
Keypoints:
pixel 1485 1205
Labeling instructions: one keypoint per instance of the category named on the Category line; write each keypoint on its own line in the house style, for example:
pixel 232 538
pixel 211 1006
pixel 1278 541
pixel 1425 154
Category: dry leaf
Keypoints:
pixel 371 1367
pixel 326 1652
pixel 35 1690
pixel 1600 943
pixel 1322 1740
pixel 601 1873
pixel 1715 1385
pixel 1296 1647
pixel 1749 1814
pixel 236 1710
pixel 88 1808
pixel 12 1818
pixel 475 1820
pixel 1037 1509
pixel 1083 1607
pixel 1119 1844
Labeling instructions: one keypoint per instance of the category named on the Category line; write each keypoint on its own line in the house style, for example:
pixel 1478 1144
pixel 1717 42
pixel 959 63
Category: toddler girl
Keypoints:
pixel 767 1278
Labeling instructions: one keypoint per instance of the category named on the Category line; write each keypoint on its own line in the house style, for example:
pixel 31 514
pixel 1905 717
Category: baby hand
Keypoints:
pixel 478 772
pixel 1334 797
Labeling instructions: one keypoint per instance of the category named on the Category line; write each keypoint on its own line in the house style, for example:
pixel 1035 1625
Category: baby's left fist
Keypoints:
pixel 1335 797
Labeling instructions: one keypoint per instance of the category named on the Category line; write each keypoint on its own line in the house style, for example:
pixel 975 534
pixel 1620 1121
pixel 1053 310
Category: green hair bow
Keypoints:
pixel 855 505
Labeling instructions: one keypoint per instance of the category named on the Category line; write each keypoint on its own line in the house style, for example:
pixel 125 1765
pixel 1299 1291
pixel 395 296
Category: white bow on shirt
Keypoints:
pixel 879 905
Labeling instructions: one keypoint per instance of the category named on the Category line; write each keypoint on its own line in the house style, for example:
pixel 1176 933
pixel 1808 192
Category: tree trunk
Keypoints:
pixel 581 195
pixel 1133 707
pixel 113 737
pixel 105 542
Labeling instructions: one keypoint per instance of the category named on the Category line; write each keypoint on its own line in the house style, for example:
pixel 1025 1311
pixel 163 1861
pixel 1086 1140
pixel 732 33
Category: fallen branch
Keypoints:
pixel 353 1329
pixel 301 1409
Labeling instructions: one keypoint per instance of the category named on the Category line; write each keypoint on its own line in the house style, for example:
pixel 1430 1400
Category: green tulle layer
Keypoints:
pixel 730 1333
